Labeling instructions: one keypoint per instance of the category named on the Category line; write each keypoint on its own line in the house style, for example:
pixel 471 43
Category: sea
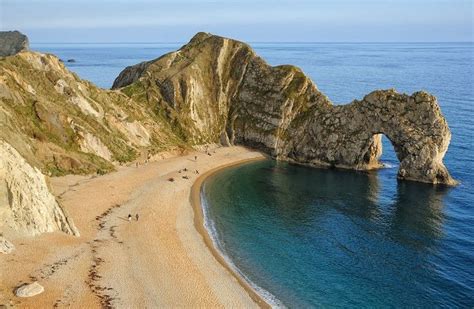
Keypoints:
pixel 317 238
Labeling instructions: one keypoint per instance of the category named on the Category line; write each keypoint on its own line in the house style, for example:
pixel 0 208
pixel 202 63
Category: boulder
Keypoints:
pixel 12 42
pixel 29 290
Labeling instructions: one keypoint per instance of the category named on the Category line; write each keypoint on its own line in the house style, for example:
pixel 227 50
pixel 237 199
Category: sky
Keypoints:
pixel 61 21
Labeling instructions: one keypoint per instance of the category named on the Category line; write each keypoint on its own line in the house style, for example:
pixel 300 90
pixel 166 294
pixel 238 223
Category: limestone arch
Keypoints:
pixel 415 128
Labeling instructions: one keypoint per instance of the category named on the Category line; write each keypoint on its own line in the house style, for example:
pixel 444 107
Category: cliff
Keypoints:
pixel 26 205
pixel 216 89
pixel 212 90
pixel 53 123
pixel 62 124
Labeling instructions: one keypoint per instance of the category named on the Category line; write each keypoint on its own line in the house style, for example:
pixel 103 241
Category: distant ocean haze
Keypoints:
pixel 342 238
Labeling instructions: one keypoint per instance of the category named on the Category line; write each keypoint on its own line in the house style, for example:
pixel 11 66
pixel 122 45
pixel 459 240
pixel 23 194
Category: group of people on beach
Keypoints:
pixel 186 176
pixel 172 179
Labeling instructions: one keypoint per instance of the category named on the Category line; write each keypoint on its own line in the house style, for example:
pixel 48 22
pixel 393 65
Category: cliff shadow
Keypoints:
pixel 418 214
pixel 301 195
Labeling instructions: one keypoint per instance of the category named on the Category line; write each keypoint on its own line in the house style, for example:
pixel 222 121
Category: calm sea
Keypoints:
pixel 325 238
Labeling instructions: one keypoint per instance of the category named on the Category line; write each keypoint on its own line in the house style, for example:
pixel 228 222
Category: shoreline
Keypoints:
pixel 160 260
pixel 199 220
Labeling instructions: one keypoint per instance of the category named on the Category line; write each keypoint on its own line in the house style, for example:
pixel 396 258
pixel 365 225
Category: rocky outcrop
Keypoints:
pixel 351 135
pixel 216 89
pixel 26 205
pixel 12 42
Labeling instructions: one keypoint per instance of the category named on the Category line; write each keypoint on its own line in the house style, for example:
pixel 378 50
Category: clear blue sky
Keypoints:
pixel 248 20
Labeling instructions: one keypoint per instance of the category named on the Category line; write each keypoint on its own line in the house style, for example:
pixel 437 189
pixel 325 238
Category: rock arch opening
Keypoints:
pixel 388 156
pixel 380 153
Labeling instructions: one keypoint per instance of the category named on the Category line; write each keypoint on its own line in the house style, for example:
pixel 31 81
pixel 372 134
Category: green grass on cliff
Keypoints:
pixel 45 118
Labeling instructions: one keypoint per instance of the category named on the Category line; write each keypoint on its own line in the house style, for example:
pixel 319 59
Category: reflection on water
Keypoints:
pixel 418 208
pixel 318 237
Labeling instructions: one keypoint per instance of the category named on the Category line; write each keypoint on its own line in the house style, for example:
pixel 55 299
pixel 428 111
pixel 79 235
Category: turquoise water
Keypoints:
pixel 328 238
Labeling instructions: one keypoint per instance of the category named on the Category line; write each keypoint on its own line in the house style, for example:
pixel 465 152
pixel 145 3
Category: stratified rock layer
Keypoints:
pixel 215 89
pixel 12 42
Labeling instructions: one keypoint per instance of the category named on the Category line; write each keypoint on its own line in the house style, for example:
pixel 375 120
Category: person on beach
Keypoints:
pixel 129 218
pixel 136 217
pixel 195 158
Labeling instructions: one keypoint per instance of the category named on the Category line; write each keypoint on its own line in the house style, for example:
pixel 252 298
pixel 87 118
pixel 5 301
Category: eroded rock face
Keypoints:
pixel 26 205
pixel 215 89
pixel 349 136
pixel 12 42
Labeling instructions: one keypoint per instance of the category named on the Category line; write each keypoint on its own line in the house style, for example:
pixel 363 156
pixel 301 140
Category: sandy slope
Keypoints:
pixel 161 260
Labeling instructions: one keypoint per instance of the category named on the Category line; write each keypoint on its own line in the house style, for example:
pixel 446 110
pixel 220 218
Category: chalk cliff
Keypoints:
pixel 216 89
pixel 26 205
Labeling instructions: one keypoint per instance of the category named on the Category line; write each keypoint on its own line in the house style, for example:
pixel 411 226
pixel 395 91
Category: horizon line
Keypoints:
pixel 267 42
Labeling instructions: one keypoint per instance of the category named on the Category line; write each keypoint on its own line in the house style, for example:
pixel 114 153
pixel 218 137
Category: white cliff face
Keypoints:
pixel 26 205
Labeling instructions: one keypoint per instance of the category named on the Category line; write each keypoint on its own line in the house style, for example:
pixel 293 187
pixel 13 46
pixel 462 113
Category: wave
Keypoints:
pixel 388 165
pixel 217 242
